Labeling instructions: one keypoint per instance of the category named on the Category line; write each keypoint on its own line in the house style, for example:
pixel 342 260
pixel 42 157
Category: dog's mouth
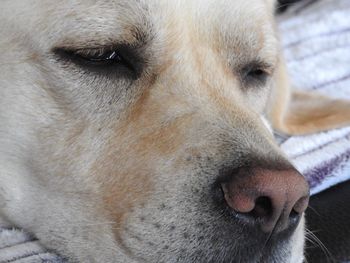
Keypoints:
pixel 263 248
pixel 198 222
pixel 275 248
pixel 216 236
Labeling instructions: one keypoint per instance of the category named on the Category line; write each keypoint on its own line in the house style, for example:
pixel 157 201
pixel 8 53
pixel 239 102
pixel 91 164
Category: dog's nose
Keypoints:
pixel 273 200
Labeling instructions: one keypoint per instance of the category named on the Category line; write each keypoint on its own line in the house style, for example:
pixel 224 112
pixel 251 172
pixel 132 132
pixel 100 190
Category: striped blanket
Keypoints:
pixel 16 246
pixel 316 40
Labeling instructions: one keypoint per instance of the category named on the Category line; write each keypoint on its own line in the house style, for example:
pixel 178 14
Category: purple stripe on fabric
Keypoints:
pixel 318 174
pixel 320 147
pixel 331 82
pixel 345 30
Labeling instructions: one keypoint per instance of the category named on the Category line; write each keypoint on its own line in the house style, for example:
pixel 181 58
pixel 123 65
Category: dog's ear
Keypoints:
pixel 297 112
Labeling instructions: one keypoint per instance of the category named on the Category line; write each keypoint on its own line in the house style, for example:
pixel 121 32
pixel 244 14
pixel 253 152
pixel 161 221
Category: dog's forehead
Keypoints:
pixel 240 26
pixel 203 15
pixel 230 18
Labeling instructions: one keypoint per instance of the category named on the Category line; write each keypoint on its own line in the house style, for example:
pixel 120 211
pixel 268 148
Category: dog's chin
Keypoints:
pixel 220 245
pixel 292 251
pixel 298 242
pixel 285 252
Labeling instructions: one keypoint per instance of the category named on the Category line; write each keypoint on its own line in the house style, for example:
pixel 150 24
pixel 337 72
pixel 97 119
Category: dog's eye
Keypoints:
pixel 255 74
pixel 102 59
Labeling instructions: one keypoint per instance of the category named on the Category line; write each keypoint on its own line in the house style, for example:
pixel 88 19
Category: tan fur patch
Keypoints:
pixel 295 112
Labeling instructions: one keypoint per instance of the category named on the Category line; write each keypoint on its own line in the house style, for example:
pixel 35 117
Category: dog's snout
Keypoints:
pixel 272 200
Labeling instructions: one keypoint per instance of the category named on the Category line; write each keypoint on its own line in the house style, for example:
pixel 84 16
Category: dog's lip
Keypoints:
pixel 270 247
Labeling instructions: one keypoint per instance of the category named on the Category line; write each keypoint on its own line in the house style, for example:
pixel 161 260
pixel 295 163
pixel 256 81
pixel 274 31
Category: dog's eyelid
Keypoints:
pixel 103 57
pixel 256 73
pixel 264 66
pixel 94 50
pixel 95 54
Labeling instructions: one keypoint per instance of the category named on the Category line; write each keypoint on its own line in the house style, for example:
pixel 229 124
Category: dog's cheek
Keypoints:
pixel 123 196
pixel 136 152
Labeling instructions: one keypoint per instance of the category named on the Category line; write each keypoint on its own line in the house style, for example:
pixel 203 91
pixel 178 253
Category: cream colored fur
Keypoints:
pixel 104 169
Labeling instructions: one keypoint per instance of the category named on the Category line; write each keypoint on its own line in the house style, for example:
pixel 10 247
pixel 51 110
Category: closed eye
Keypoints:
pixel 255 74
pixel 120 59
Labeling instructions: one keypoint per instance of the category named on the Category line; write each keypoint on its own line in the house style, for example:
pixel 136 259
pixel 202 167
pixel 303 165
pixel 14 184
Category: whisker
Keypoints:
pixel 314 210
pixel 311 237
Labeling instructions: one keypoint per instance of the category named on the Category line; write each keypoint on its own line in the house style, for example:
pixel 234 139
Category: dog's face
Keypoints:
pixel 123 120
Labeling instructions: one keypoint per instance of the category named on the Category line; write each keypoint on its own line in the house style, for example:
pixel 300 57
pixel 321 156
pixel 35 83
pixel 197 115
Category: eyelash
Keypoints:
pixel 102 59
pixel 97 54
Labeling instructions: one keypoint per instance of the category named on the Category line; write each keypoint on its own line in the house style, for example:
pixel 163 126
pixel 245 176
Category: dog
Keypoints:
pixel 140 131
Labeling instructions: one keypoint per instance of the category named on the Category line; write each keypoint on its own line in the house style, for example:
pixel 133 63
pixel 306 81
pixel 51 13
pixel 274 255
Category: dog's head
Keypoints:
pixel 134 131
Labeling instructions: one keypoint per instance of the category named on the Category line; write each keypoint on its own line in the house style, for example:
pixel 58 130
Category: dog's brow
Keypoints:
pixel 133 36
pixel 106 26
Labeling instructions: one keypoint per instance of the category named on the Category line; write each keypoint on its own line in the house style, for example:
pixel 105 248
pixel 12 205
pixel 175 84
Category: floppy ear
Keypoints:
pixel 297 112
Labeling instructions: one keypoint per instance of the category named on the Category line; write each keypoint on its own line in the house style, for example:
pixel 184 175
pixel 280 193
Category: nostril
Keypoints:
pixel 263 207
pixel 301 205
pixel 298 209
pixel 294 215
pixel 269 200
